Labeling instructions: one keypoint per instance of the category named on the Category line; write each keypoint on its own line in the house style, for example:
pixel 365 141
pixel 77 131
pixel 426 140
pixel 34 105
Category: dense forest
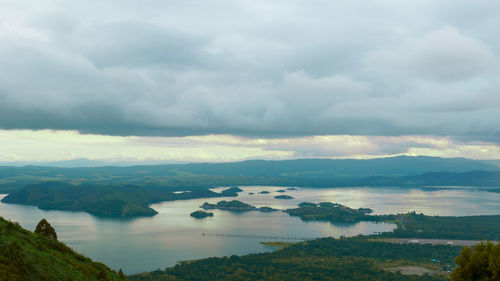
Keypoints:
pixel 333 212
pixel 201 214
pixel 321 259
pixel 233 205
pixel 442 227
pixel 482 262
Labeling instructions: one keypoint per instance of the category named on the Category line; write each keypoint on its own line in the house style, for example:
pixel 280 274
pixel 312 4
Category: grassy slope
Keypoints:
pixel 39 258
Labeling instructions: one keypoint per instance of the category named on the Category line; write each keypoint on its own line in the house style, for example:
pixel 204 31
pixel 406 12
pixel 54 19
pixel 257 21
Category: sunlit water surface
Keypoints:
pixel 147 244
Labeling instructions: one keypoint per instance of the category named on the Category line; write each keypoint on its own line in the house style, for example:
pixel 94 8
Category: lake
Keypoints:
pixel 146 244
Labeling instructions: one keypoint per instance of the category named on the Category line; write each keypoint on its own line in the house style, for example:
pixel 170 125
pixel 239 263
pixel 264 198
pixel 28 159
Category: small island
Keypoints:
pixel 292 188
pixel 281 191
pixel 231 192
pixel 264 192
pixel 334 212
pixel 201 214
pixel 234 206
pixel 267 209
pixel 284 197
pixel 251 193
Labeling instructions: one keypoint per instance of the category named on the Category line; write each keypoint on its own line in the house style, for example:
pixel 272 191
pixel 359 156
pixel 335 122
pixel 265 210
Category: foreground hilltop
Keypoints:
pixel 27 256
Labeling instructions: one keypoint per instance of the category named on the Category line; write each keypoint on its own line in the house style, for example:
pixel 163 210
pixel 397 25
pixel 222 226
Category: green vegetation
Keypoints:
pixel 332 212
pixel 480 263
pixel 278 244
pixel 321 259
pixel 29 256
pixel 45 229
pixel 414 225
pixel 26 256
pixel 103 200
pixel 201 214
pixel 410 225
pixel 231 192
pixel 234 206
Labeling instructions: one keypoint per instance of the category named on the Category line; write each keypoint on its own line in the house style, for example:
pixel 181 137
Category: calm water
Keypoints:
pixel 147 244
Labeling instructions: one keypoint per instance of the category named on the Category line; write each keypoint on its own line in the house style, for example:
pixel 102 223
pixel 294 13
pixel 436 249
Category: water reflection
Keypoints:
pixel 146 244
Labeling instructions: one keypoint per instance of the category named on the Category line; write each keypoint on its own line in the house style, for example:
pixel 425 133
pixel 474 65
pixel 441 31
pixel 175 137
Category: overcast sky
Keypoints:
pixel 282 79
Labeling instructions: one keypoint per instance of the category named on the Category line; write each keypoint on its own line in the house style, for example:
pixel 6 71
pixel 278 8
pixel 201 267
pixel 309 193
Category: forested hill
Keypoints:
pixel 103 200
pixel 472 178
pixel 26 256
pixel 392 166
pixel 302 172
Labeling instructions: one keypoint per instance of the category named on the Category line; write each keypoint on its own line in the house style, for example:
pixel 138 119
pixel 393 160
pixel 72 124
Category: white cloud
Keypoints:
pixel 46 145
pixel 443 54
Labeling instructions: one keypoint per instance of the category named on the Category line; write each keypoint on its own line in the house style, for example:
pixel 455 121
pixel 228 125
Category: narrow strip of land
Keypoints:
pixel 258 236
pixel 468 243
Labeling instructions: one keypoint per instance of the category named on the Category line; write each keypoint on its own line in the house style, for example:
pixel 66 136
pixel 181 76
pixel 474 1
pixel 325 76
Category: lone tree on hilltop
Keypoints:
pixel 45 229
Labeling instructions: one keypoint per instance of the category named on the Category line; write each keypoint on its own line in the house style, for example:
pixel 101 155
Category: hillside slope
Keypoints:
pixel 27 256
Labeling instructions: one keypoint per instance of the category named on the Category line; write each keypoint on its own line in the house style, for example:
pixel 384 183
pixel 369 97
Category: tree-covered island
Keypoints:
pixel 125 201
pixel 284 197
pixel 201 214
pixel 235 206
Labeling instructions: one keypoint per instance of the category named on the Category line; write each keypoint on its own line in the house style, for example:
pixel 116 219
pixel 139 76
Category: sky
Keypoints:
pixel 233 80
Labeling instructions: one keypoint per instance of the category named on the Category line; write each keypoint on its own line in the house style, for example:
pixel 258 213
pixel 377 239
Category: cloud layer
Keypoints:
pixel 252 68
pixel 24 146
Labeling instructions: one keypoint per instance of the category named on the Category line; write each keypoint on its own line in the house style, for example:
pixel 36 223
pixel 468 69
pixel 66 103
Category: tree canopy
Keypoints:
pixel 480 263
pixel 45 229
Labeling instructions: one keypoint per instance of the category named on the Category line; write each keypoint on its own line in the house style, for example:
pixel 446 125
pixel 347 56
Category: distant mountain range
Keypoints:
pixel 402 170
pixel 492 162
pixel 392 165
pixel 472 178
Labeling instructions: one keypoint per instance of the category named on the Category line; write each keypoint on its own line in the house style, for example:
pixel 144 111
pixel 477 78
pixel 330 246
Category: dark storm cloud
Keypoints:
pixel 252 68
